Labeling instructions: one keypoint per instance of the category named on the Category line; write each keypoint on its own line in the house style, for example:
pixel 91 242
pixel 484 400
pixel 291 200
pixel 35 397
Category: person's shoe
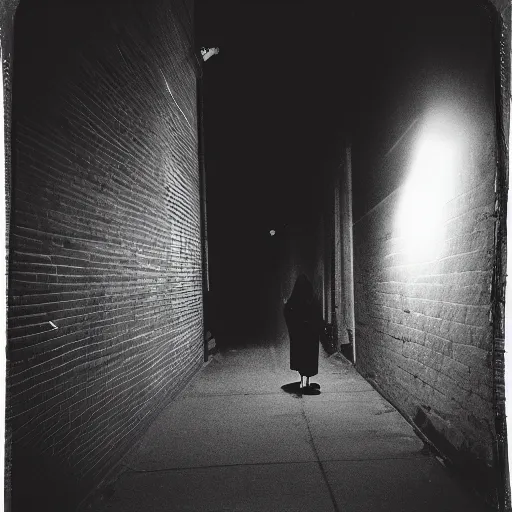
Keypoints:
pixel 308 390
pixel 314 385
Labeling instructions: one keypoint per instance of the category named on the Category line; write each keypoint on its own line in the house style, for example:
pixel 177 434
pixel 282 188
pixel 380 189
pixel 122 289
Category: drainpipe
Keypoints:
pixel 204 225
pixel 206 53
pixel 347 251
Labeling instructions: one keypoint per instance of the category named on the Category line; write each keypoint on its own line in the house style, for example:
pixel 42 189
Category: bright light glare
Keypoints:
pixel 429 187
pixel 272 232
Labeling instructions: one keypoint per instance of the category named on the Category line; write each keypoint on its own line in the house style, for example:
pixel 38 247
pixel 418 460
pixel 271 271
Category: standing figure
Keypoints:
pixel 304 321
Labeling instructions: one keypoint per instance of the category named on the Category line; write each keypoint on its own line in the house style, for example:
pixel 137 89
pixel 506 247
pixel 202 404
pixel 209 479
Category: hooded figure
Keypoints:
pixel 304 321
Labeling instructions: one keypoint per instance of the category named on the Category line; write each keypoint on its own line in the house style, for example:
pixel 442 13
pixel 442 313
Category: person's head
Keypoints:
pixel 302 290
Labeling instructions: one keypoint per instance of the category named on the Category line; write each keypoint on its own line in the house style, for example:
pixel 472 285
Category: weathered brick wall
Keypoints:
pixel 105 238
pixel 424 238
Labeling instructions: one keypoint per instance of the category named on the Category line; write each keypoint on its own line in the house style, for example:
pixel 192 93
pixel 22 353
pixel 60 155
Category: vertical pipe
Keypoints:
pixel 341 332
pixel 328 262
pixel 321 262
pixel 347 252
pixel 204 226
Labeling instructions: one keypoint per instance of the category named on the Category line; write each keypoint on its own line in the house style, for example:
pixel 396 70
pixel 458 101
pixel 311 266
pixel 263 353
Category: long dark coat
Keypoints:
pixel 304 321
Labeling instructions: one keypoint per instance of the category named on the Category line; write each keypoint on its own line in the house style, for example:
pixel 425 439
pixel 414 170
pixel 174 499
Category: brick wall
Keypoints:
pixel 105 236
pixel 424 235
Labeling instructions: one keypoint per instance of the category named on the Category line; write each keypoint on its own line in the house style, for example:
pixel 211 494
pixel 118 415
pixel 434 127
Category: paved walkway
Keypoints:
pixel 235 441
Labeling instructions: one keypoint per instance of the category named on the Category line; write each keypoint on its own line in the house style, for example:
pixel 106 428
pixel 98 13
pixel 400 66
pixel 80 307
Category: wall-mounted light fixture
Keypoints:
pixel 206 53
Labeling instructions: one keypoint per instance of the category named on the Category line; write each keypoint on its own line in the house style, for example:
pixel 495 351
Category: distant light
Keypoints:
pixel 272 232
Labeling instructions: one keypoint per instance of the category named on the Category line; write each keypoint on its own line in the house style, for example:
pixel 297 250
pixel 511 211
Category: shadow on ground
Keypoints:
pixel 293 388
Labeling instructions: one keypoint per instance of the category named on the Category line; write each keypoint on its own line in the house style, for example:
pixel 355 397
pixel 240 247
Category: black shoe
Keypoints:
pixel 310 391
pixel 314 385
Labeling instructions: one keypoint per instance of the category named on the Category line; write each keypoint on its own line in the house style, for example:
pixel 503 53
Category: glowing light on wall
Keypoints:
pixel 429 187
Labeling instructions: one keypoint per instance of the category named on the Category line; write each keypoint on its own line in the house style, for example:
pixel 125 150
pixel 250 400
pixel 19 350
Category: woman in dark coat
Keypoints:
pixel 304 321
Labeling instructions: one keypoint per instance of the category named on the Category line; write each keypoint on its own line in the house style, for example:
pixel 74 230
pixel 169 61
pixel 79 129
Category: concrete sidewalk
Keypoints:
pixel 235 441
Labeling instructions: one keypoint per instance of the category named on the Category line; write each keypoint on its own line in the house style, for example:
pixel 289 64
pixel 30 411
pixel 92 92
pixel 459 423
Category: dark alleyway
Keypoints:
pixel 158 202
pixel 234 440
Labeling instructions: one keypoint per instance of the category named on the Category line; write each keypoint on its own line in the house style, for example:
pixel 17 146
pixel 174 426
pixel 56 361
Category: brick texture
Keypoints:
pixel 105 294
pixel 423 329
